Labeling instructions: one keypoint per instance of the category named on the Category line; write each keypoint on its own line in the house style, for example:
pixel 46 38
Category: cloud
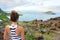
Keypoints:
pixel 10 3
pixel 37 8
pixel 38 5
pixel 25 8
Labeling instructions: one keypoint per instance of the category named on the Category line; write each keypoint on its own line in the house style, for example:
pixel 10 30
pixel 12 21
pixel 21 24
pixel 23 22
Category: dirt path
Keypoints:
pixel 56 36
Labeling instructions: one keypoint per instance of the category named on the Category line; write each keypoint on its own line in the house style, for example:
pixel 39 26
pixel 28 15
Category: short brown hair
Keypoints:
pixel 14 16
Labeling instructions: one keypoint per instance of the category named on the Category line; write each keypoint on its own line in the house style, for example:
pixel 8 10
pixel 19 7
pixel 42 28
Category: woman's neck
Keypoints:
pixel 14 23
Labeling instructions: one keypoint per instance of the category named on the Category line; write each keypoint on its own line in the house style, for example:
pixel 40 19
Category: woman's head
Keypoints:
pixel 14 16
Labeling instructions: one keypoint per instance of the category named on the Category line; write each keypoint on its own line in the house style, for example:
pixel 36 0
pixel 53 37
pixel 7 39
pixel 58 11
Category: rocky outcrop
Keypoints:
pixel 50 12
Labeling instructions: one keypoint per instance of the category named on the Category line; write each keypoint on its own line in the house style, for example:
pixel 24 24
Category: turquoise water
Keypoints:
pixel 31 15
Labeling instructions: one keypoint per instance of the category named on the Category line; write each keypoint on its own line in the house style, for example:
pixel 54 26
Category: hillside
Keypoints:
pixel 3 15
pixel 3 20
pixel 47 28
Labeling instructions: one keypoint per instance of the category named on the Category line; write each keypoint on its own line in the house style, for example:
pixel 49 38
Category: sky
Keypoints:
pixel 31 5
pixel 37 5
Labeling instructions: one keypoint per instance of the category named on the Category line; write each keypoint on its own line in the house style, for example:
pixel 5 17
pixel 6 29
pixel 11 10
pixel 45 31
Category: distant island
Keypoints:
pixel 50 12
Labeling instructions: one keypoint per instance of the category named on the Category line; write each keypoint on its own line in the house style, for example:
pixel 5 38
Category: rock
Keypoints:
pixel 38 36
pixel 53 29
pixel 44 30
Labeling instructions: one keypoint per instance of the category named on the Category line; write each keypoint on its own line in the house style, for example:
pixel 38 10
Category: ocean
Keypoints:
pixel 32 15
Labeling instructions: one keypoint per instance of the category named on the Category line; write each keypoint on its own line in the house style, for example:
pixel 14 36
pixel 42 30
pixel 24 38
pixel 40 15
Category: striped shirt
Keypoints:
pixel 13 35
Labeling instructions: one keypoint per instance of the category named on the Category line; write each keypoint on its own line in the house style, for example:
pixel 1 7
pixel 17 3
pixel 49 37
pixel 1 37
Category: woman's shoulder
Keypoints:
pixel 6 26
pixel 20 27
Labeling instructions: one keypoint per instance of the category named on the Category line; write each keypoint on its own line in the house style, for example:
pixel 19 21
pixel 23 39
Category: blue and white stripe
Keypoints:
pixel 13 35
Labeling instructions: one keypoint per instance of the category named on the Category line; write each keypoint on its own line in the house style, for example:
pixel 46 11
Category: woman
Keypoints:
pixel 13 31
